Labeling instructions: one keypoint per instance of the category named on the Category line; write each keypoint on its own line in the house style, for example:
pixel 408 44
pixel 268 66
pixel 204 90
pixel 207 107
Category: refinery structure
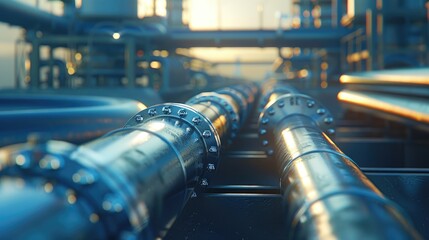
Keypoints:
pixel 202 119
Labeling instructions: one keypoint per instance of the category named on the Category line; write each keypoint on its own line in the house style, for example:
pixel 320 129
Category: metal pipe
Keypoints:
pixel 271 91
pixel 415 76
pixel 135 180
pixel 416 109
pixel 23 15
pixel 324 192
pixel 67 118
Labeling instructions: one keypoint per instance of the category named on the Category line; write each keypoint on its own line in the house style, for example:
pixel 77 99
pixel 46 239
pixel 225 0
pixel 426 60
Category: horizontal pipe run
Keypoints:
pixel 325 193
pixel 23 15
pixel 129 183
pixel 66 118
pixel 416 76
pixel 416 109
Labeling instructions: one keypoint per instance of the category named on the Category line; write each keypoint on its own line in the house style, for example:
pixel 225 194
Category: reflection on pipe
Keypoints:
pixel 130 183
pixel 67 118
pixel 416 109
pixel 324 192
pixel 416 76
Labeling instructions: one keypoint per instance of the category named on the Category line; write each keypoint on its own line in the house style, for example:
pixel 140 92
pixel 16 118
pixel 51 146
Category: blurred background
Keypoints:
pixel 367 61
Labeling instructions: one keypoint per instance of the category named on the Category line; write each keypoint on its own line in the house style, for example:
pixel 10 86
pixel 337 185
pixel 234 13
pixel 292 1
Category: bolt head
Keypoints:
pixel 211 167
pixel 321 111
pixel 139 118
pixel 182 113
pixel 213 149
pixel 264 143
pixel 328 120
pixel 204 182
pixel 207 133
pixel 196 120
pixel 152 112
pixel 166 110
pixel 265 121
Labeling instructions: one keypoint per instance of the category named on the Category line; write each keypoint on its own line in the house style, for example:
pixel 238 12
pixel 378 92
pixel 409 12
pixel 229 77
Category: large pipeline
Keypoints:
pixel 130 183
pixel 23 15
pixel 326 196
pixel 66 118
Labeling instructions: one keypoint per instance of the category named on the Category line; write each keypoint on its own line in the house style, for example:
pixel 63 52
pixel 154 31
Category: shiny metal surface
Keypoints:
pixel 222 110
pixel 416 109
pixel 73 119
pixel 133 181
pixel 413 76
pixel 325 194
pixel 271 90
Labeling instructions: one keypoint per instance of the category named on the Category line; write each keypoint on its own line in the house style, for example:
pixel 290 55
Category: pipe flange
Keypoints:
pixel 286 105
pixel 249 91
pixel 275 89
pixel 53 163
pixel 192 117
pixel 239 98
pixel 233 116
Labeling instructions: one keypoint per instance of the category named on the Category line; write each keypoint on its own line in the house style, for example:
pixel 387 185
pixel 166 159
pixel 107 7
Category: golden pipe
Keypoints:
pixel 411 108
pixel 417 76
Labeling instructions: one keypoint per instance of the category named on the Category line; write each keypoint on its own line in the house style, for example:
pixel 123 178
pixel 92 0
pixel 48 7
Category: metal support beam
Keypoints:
pixel 131 62
pixel 35 61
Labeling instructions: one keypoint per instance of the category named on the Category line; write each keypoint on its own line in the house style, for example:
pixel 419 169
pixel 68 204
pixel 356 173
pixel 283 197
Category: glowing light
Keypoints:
pixel 116 35
pixel 303 73
pixel 155 64
pixel 140 53
pixel 78 56
pixel 141 9
pixel 27 64
pixel 161 8
pixel 20 160
pixel 296 51
pixel 143 64
pixel 71 70
pixel 296 22
pixel 94 218
pixel 317 23
pixel 324 65
pixel 71 198
pixel 78 3
pixel 48 187
pixel 164 53
pixel 351 8
pixel 324 84
pixel 306 13
pixel 156 53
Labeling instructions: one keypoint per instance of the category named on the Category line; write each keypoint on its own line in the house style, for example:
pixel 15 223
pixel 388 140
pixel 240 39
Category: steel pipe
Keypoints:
pixel 402 107
pixel 271 91
pixel 414 76
pixel 130 183
pixel 67 118
pixel 23 15
pixel 324 192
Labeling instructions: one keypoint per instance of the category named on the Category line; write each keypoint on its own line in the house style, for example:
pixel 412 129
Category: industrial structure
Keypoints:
pixel 115 130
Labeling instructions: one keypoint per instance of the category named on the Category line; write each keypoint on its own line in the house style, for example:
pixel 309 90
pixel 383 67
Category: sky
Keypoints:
pixel 203 14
